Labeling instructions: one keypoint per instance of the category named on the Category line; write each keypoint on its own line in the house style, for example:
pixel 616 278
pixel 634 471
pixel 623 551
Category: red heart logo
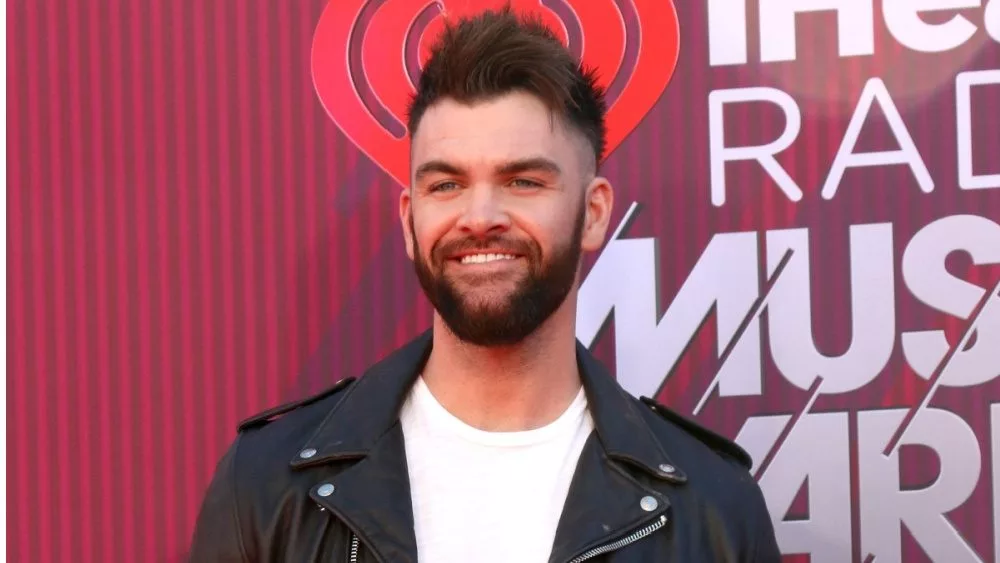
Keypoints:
pixel 366 58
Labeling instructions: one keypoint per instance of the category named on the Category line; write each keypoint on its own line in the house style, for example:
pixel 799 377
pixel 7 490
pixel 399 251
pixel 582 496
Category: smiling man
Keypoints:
pixel 495 435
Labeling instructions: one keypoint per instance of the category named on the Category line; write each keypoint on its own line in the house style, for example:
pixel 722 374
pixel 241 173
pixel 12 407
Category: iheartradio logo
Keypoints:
pixel 367 56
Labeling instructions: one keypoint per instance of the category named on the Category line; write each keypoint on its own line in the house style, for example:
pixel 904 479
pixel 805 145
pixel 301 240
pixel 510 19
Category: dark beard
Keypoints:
pixel 532 302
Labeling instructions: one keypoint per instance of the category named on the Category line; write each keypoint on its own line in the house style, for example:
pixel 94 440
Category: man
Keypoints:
pixel 494 436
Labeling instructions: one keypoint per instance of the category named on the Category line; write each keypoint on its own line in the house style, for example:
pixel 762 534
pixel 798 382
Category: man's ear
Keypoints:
pixel 406 218
pixel 600 199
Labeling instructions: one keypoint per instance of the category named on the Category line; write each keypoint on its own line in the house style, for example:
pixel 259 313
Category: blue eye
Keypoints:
pixel 444 186
pixel 525 183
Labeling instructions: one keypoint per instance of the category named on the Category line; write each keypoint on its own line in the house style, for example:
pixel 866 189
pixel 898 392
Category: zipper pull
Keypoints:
pixel 618 544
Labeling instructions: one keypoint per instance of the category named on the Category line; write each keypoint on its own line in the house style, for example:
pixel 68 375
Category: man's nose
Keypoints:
pixel 484 212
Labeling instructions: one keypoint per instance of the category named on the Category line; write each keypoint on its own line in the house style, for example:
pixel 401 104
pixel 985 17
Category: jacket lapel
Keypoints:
pixel 604 504
pixel 621 423
pixel 373 498
pixel 606 501
pixel 372 495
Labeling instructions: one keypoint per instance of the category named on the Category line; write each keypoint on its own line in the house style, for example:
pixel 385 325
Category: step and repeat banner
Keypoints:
pixel 805 253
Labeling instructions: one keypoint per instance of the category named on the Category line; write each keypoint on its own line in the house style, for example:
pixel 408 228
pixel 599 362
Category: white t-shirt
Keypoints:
pixel 488 496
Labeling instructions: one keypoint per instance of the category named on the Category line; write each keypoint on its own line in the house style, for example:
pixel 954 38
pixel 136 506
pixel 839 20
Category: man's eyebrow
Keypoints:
pixel 535 164
pixel 436 166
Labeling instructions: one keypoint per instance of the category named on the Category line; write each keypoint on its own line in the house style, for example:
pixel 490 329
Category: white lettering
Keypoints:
pixel 967 179
pixel 923 268
pixel 991 21
pixel 922 511
pixel 720 154
pixel 902 17
pixel 816 453
pixel 906 154
pixel 727 32
pixel 727 26
pixel 872 310
pixel 624 281
pixel 855 27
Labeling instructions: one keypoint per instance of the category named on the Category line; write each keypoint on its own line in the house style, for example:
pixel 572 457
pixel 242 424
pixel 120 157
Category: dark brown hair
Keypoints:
pixel 498 52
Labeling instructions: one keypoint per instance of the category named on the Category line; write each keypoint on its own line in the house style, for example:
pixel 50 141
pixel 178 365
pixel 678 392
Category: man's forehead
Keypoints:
pixel 503 119
pixel 481 148
pixel 491 132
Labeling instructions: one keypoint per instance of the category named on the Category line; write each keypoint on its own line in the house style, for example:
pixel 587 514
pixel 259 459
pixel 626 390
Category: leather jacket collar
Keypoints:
pixel 605 501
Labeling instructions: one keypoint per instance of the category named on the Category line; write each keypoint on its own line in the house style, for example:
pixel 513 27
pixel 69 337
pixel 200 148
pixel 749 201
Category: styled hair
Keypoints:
pixel 498 52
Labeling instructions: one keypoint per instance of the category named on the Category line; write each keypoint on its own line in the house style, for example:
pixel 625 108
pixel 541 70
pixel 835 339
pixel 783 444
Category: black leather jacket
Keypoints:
pixel 325 479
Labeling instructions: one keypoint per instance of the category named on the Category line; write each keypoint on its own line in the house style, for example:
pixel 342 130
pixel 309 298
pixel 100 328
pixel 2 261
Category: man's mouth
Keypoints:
pixel 485 258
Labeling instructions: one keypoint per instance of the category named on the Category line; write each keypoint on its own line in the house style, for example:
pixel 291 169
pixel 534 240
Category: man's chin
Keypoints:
pixel 485 312
pixel 488 297
pixel 486 332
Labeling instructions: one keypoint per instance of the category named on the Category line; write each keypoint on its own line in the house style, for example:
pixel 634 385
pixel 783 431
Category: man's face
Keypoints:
pixel 502 203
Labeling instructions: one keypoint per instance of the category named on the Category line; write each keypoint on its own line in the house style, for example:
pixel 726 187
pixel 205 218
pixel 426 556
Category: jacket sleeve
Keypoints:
pixel 217 534
pixel 765 544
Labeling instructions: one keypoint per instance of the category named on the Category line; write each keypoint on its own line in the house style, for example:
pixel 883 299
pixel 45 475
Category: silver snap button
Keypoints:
pixel 326 489
pixel 648 504
pixel 309 452
pixel 667 468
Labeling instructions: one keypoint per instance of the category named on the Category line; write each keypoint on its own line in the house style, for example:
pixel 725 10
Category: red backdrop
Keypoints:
pixel 193 238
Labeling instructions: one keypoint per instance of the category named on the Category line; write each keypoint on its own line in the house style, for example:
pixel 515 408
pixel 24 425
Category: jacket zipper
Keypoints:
pixel 589 554
pixel 355 544
pixel 618 544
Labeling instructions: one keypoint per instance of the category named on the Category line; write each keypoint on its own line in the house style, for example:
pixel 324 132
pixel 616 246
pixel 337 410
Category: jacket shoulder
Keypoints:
pixel 718 443
pixel 264 417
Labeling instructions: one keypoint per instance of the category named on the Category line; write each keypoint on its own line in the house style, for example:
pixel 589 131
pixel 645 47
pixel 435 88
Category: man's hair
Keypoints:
pixel 498 52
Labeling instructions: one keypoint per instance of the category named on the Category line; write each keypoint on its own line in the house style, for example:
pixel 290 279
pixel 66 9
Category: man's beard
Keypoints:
pixel 510 318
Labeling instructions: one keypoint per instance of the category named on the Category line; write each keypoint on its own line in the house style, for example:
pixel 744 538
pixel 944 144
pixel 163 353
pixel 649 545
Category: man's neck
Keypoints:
pixel 506 389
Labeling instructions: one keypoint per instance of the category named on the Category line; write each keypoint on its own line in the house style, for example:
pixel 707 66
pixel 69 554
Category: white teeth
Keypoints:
pixel 484 258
